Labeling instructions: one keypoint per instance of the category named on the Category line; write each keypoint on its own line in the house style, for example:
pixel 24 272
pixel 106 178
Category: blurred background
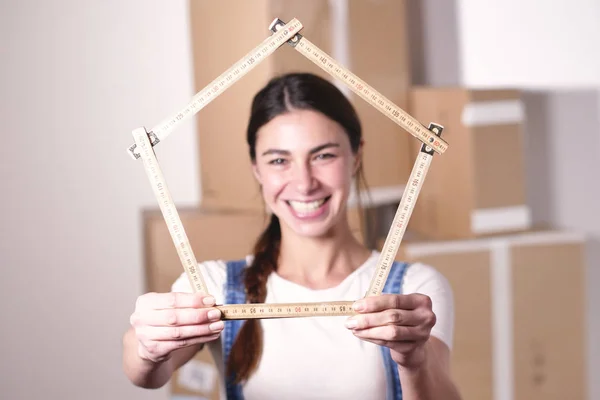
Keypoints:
pixel 508 214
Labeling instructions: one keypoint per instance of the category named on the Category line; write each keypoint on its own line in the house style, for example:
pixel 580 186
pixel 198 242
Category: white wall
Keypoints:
pixel 434 43
pixel 76 77
pixel 529 43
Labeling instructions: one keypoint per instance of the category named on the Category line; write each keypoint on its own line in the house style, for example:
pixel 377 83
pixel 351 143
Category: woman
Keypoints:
pixel 305 143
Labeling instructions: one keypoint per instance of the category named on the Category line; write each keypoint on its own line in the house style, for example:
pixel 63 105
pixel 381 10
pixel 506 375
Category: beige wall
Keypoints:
pixel 76 78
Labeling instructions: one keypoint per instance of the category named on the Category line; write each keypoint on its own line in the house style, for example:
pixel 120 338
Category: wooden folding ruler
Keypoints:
pixel 288 33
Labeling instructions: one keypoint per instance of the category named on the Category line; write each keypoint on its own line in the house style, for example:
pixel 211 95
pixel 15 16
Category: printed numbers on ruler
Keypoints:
pixel 291 310
pixel 401 218
pixel 168 210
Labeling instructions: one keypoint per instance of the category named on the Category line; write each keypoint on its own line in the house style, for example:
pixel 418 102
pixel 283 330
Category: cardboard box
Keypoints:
pixel 221 37
pixel 383 62
pixel 519 313
pixel 477 187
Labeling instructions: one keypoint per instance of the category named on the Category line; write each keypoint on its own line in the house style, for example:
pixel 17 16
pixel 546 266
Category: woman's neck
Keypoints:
pixel 320 263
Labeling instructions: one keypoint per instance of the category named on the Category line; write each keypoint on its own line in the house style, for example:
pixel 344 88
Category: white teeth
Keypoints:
pixel 303 207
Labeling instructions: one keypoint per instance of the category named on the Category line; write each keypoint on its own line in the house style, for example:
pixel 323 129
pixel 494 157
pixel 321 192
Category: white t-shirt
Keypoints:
pixel 318 357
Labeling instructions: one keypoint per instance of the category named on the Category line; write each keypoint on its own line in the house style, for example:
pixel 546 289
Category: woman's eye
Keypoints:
pixel 277 161
pixel 324 156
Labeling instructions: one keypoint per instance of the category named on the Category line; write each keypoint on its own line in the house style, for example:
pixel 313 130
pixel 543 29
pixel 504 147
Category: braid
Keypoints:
pixel 247 349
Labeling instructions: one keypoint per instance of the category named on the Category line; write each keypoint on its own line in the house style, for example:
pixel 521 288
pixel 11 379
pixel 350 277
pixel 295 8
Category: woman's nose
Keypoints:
pixel 304 179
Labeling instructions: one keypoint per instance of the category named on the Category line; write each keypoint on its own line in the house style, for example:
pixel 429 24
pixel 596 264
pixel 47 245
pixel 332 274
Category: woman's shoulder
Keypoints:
pixel 426 279
pixel 419 276
pixel 416 275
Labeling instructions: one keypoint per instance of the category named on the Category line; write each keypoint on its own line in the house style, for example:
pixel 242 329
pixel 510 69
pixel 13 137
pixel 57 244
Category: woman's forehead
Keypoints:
pixel 300 129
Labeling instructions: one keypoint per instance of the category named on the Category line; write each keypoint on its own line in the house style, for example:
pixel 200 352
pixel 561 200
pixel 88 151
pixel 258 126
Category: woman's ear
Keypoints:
pixel 358 158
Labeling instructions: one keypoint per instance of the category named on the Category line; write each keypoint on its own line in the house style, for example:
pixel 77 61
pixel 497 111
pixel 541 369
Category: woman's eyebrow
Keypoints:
pixel 276 151
pixel 312 151
pixel 323 147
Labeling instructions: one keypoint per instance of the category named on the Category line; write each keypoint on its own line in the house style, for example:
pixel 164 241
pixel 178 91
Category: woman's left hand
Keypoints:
pixel 401 322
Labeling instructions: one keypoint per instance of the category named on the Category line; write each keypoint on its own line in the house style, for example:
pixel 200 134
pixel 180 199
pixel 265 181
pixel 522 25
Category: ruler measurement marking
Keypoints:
pixel 398 228
pixel 168 210
pixel 286 310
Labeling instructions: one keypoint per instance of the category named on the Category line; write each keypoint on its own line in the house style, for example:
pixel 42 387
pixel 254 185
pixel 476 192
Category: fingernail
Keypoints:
pixel 216 326
pixel 358 306
pixel 351 323
pixel 209 300
pixel 214 315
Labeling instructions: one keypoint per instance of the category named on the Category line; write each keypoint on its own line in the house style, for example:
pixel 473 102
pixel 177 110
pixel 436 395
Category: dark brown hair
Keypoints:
pixel 283 94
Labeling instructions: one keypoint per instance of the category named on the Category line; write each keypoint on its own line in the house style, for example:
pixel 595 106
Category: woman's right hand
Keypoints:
pixel 164 322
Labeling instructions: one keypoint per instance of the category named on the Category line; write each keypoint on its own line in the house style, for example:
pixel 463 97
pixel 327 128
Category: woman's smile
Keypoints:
pixel 308 209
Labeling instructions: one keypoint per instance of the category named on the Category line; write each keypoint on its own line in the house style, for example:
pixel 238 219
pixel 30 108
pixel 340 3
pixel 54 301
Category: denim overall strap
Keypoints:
pixel 393 285
pixel 234 294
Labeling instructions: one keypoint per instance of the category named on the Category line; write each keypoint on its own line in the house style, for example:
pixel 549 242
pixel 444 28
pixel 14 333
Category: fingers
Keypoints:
pixel 401 347
pixel 162 301
pixel 164 322
pixel 388 301
pixel 393 333
pixel 387 317
pixel 175 317
pixel 161 333
pixel 160 350
pixel 393 318
pixel 157 342
pixel 406 310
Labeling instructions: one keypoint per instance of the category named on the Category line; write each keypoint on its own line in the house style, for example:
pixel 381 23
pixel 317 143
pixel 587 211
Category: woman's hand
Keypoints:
pixel 164 322
pixel 401 322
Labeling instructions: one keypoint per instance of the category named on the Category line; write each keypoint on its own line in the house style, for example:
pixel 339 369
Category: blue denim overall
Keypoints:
pixel 234 294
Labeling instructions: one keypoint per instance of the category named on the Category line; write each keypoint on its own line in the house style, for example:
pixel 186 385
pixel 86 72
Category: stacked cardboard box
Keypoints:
pixel 477 187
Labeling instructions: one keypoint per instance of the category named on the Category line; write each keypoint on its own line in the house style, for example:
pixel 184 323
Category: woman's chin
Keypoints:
pixel 312 228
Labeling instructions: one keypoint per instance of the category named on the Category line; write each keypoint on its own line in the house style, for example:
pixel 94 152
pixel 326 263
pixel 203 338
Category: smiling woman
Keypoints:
pixel 305 143
pixel 303 159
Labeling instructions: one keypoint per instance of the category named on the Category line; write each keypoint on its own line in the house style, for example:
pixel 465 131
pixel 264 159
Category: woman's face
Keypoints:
pixel 305 166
